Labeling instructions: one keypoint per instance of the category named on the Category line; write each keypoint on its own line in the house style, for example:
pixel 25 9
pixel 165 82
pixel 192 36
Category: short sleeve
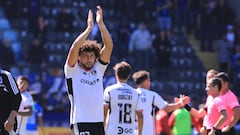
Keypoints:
pixel 159 102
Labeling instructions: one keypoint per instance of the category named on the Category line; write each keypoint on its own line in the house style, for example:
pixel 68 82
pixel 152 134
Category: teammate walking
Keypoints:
pixel 84 70
pixel 121 104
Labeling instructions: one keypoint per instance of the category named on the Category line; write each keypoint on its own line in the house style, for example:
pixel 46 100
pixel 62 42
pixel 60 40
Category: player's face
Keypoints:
pixel 22 85
pixel 210 89
pixel 87 59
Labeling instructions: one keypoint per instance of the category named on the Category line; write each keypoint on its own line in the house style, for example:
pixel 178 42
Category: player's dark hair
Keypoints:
pixel 24 78
pixel 140 76
pixel 90 46
pixel 217 81
pixel 123 70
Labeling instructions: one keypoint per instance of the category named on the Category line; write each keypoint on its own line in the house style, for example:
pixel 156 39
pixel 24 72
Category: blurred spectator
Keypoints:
pixel 194 9
pixel 65 20
pixel 37 55
pixel 140 46
pixel 123 33
pixel 206 23
pixel 224 16
pixel 34 11
pixel 231 36
pixel 163 49
pixel 223 53
pixel 162 127
pixel 40 28
pixel 7 56
pixel 164 15
pixel 140 11
pixel 182 7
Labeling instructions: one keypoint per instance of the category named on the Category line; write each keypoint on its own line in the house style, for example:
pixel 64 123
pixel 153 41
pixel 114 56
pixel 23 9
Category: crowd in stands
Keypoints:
pixel 36 36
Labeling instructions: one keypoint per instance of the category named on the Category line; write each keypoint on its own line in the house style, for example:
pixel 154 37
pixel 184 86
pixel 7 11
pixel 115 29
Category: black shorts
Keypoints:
pixel 3 132
pixel 88 128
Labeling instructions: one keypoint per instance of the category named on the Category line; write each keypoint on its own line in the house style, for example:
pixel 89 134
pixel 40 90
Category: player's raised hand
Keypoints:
pixel 99 16
pixel 90 20
pixel 183 99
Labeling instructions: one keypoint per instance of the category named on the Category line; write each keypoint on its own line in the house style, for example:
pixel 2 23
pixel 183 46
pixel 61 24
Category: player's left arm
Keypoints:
pixel 106 51
pixel 28 111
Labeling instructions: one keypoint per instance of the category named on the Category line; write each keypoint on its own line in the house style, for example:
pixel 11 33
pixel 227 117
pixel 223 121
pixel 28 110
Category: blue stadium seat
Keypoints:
pixel 4 24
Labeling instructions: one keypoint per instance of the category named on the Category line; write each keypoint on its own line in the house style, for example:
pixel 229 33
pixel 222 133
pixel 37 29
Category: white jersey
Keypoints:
pixel 149 100
pixel 22 120
pixel 123 101
pixel 85 90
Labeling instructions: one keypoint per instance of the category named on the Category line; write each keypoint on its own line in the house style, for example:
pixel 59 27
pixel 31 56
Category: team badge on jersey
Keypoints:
pixel 94 72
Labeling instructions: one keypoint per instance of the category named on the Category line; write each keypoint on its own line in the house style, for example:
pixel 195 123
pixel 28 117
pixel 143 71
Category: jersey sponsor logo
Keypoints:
pixel 89 82
pixel 122 130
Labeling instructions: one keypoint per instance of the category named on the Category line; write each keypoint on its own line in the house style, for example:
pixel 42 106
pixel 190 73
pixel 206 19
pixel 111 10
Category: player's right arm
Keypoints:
pixel 79 41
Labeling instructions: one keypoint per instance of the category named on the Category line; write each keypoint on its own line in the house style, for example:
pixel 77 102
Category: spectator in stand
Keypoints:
pixel 65 20
pixel 231 37
pixel 123 34
pixel 140 11
pixel 181 10
pixel 39 29
pixel 140 46
pixel 34 11
pixel 37 55
pixel 164 18
pixel 194 9
pixel 163 49
pixel 223 53
pixel 206 23
pixel 224 16
pixel 7 55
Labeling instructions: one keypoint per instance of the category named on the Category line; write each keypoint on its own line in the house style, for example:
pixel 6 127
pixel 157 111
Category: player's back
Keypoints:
pixel 123 100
